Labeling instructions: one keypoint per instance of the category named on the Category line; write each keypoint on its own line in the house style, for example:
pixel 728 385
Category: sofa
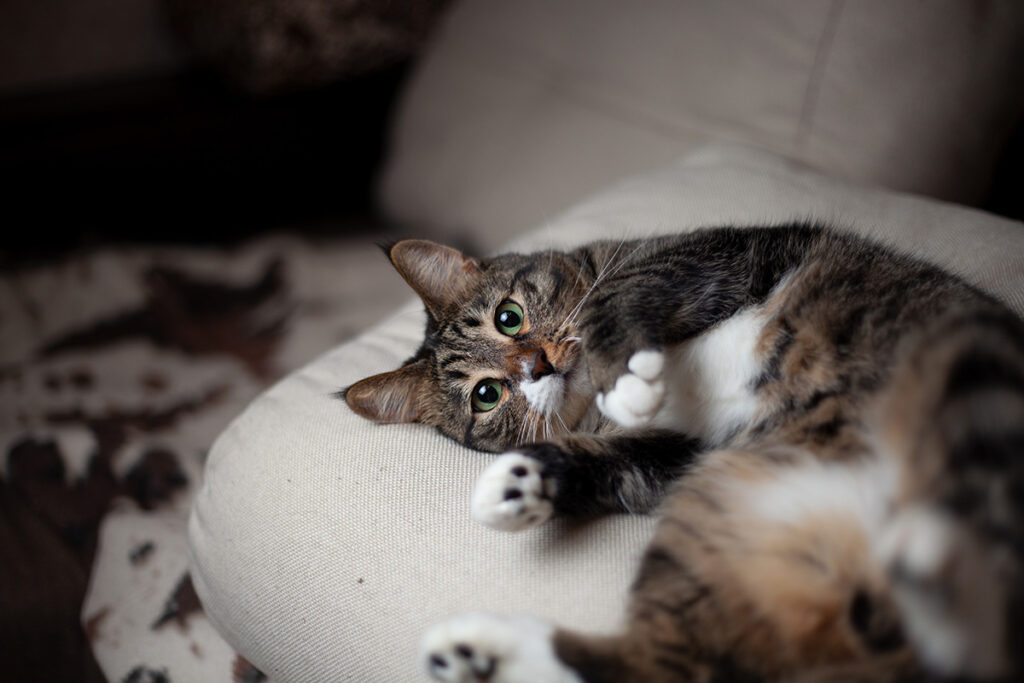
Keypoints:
pixel 310 545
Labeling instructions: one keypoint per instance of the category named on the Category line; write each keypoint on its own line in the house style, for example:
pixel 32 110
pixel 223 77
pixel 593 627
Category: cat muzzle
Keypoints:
pixel 530 363
pixel 541 366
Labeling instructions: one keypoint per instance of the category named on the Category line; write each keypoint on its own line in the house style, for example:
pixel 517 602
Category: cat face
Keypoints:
pixel 501 362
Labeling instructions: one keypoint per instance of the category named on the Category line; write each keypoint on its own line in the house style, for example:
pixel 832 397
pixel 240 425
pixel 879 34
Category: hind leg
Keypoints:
pixel 721 592
pixel 478 648
pixel 954 419
pixel 946 582
pixel 472 648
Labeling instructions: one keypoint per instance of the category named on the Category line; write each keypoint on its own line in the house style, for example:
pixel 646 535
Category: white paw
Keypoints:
pixel 947 591
pixel 638 394
pixel 917 541
pixel 472 648
pixel 512 494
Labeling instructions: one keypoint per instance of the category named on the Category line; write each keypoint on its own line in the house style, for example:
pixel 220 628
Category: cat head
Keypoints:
pixel 501 362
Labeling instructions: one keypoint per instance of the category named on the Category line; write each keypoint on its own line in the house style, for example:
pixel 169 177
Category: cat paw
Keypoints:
pixel 947 591
pixel 638 394
pixel 513 494
pixel 473 648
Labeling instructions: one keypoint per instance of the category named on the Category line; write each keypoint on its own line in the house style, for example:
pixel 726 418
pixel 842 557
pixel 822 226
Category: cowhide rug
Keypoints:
pixel 118 368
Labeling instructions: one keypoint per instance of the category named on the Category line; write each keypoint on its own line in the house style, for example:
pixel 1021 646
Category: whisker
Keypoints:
pixel 625 506
pixel 562 422
pixel 624 261
pixel 597 279
pixel 579 273
pixel 522 427
pixel 524 432
pixel 605 272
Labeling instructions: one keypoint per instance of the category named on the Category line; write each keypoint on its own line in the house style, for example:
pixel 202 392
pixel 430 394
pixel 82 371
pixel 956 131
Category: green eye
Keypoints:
pixel 509 318
pixel 486 395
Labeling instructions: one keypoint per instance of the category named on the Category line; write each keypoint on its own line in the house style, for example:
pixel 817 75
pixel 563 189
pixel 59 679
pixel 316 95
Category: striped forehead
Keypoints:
pixel 469 336
pixel 464 346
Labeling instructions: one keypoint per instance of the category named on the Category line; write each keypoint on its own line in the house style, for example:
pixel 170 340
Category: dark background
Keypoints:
pixel 182 158
pixel 148 121
pixel 132 121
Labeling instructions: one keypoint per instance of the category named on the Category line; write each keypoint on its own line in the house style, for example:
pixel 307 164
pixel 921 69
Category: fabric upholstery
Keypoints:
pixel 522 108
pixel 322 544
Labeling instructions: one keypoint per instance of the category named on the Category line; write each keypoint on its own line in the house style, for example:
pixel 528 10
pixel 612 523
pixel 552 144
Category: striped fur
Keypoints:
pixel 834 433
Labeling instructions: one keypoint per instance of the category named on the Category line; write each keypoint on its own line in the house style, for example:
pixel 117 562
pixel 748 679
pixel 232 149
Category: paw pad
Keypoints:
pixel 459 663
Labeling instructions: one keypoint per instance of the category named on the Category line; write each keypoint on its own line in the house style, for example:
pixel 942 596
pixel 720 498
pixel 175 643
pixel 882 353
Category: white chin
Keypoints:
pixel 544 395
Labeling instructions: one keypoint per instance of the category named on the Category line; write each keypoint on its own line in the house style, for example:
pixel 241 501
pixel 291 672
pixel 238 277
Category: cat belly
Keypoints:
pixel 709 380
pixel 809 490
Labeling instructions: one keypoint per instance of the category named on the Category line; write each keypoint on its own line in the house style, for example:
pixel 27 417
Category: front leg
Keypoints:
pixel 580 475
pixel 625 362
pixel 638 393
pixel 651 295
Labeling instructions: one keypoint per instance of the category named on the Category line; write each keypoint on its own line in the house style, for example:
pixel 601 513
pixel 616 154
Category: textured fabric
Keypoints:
pixel 322 544
pixel 521 108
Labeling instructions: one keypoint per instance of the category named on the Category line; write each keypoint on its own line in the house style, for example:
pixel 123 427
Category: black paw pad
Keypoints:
pixel 512 494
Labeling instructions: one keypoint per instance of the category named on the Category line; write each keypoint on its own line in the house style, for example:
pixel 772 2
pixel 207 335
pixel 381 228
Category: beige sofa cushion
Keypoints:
pixel 322 545
pixel 522 108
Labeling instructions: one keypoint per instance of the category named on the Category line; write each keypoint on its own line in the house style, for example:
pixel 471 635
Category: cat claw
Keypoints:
pixel 512 494
pixel 474 648
pixel 638 394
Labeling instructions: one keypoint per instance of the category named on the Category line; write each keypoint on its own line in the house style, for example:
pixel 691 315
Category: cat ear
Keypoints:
pixel 440 275
pixel 390 396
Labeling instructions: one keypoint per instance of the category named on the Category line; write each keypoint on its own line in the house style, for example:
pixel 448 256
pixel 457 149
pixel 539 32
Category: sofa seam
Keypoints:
pixel 809 105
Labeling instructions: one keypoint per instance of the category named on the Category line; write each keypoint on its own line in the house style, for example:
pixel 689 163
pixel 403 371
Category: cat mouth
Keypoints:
pixel 546 394
pixel 548 380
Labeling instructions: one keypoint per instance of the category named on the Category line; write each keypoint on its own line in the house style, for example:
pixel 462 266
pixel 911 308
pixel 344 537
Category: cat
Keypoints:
pixel 832 434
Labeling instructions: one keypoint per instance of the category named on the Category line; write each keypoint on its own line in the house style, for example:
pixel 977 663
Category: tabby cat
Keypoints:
pixel 834 433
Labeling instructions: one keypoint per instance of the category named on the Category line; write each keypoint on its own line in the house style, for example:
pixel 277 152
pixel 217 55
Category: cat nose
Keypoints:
pixel 541 366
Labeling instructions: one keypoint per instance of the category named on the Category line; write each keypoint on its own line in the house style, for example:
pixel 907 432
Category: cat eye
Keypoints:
pixel 486 395
pixel 509 318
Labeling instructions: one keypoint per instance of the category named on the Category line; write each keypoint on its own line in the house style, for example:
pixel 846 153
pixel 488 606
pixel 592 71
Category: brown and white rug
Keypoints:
pixel 118 369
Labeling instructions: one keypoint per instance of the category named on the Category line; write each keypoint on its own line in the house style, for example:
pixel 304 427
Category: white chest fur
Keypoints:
pixel 709 379
pixel 811 489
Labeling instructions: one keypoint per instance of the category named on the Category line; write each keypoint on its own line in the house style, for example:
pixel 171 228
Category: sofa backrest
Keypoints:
pixel 520 108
